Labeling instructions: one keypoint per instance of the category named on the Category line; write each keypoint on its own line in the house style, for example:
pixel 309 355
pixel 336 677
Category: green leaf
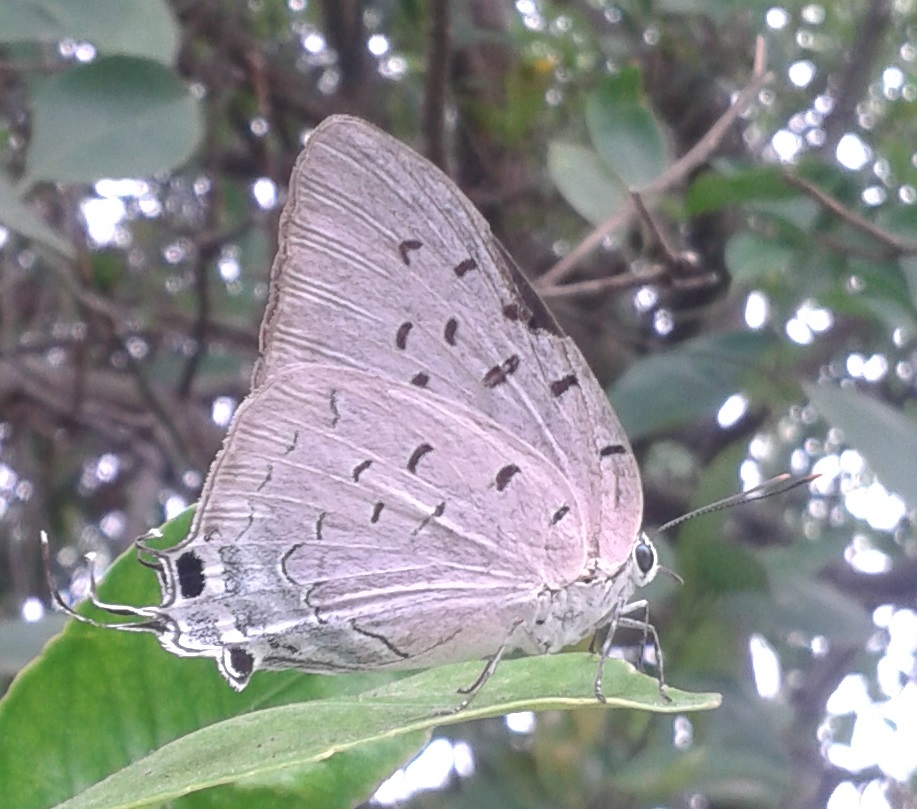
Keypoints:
pixel 115 117
pixel 624 131
pixel 585 182
pixel 885 436
pixel 99 702
pixel 715 190
pixel 271 740
pixel 689 382
pixel 909 274
pixel 758 189
pixel 129 27
pixel 18 216
pixel 884 297
pixel 752 258
pixel 799 213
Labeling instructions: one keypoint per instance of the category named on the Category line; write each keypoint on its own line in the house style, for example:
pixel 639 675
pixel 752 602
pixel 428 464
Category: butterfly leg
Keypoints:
pixel 491 666
pixel 483 677
pixel 622 619
pixel 595 644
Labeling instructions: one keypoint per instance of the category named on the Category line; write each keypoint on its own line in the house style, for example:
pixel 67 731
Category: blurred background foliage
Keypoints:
pixel 731 239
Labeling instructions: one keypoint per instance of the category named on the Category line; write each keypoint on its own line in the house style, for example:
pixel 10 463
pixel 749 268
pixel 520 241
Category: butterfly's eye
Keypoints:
pixel 645 556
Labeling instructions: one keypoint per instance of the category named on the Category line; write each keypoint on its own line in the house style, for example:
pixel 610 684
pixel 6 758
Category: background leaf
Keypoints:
pixel 143 28
pixel 90 121
pixel 19 216
pixel 585 182
pixel 623 129
pixel 687 383
pixel 885 436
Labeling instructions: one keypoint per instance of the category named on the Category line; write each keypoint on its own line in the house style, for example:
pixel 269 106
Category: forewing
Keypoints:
pixel 384 266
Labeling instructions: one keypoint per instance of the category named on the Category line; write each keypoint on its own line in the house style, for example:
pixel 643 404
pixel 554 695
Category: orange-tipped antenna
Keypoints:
pixel 777 485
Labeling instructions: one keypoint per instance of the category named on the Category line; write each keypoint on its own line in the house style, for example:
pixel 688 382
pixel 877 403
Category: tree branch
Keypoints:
pixel 673 175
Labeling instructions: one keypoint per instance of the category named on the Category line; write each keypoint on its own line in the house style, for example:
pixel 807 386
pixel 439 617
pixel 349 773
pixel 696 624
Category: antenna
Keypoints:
pixel 777 485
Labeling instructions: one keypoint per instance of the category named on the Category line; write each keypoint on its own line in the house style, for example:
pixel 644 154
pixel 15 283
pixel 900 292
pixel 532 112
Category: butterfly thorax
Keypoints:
pixel 590 603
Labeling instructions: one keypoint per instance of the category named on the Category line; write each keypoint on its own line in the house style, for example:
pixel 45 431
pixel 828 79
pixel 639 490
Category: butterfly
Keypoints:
pixel 425 471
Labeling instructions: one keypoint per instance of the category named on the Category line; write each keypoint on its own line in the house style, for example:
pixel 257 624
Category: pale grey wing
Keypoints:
pixel 344 505
pixel 385 266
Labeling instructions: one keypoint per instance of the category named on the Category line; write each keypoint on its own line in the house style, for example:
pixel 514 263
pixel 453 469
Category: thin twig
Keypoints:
pixel 662 239
pixel 199 330
pixel 674 174
pixel 437 76
pixel 621 281
pixel 895 244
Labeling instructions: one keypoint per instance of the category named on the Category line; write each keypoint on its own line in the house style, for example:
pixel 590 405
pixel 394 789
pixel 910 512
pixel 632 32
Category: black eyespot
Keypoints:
pixel 190 569
pixel 645 557
pixel 240 663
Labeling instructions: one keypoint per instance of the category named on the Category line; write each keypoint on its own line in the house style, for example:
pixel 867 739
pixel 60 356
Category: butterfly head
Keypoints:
pixel 644 563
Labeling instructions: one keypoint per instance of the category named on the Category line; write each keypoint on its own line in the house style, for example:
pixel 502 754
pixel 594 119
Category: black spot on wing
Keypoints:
pixel 561 386
pixel 450 330
pixel 360 468
pixel 421 380
pixel 558 515
pixel 612 449
pixel 499 373
pixel 407 247
pixel 519 312
pixel 419 451
pixel 464 267
pixel 401 336
pixel 505 475
pixel 190 568
pixel 377 511
pixel 511 312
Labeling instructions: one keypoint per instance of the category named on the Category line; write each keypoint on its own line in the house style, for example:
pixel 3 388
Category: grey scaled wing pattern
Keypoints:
pixel 425 470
